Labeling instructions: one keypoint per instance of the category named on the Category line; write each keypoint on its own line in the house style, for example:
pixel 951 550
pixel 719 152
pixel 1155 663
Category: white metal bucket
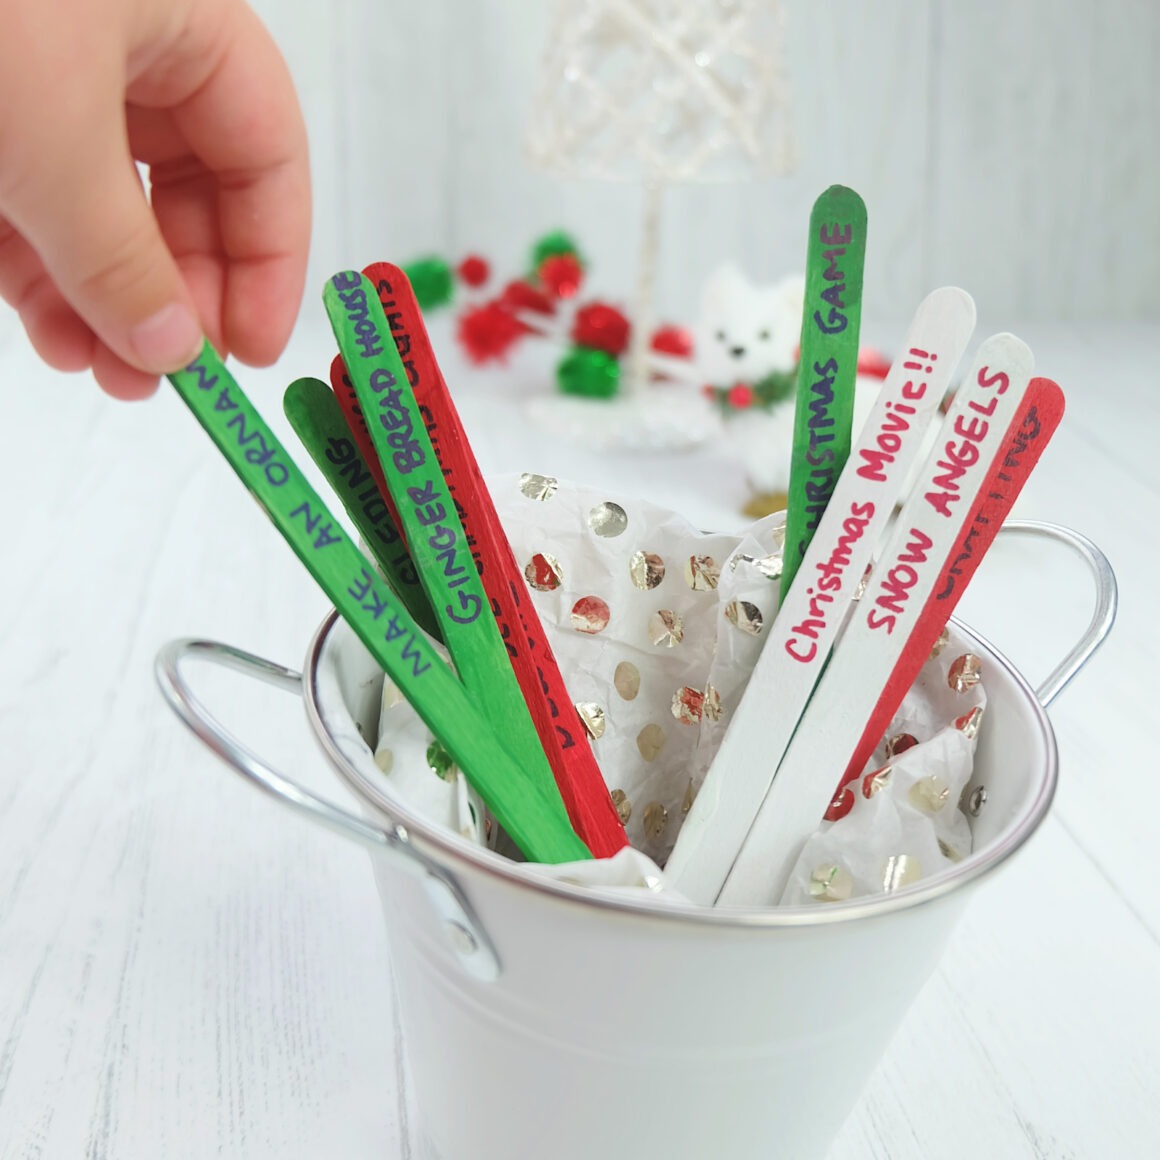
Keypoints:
pixel 544 1021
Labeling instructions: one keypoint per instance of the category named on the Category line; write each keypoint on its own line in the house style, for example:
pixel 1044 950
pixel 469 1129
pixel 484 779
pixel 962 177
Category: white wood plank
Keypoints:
pixel 397 129
pixel 1044 153
pixel 856 122
pixel 860 121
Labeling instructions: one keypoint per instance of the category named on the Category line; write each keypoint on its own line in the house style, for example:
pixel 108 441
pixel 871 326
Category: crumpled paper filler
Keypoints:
pixel 656 626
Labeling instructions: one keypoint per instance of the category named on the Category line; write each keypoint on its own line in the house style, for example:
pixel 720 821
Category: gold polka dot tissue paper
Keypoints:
pixel 656 626
pixel 902 820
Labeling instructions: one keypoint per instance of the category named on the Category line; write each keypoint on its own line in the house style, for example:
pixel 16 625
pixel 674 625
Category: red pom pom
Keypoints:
pixel 523 296
pixel 740 396
pixel 601 327
pixel 473 270
pixel 873 363
pixel 561 275
pixel 673 340
pixel 489 332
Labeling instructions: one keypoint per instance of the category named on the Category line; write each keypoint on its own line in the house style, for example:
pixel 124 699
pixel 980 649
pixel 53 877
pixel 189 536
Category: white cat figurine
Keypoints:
pixel 745 333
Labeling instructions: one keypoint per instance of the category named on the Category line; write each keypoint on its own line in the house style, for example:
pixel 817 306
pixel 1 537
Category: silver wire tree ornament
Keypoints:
pixel 660 92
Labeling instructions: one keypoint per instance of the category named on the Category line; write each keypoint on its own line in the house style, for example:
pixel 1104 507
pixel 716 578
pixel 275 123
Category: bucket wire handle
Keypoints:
pixel 1104 615
pixel 468 938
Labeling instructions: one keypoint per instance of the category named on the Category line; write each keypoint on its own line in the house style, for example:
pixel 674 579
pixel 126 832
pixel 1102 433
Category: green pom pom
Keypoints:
pixel 591 374
pixel 432 281
pixel 554 245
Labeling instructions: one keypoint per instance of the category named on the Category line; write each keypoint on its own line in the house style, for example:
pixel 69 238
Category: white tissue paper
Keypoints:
pixel 656 627
pixel 422 773
pixel 905 821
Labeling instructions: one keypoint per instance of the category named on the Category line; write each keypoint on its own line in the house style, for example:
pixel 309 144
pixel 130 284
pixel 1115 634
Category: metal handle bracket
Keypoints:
pixel 468 938
pixel 1104 615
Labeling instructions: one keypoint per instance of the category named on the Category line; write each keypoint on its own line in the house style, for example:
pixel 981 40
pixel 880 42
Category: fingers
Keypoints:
pixel 102 277
pixel 81 208
pixel 57 334
pixel 185 202
pixel 120 380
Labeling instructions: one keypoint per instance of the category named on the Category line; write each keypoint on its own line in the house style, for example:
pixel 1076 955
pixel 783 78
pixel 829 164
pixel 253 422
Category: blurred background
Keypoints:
pixel 1007 147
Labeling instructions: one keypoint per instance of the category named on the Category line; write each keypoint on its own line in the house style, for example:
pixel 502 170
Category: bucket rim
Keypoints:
pixel 454 854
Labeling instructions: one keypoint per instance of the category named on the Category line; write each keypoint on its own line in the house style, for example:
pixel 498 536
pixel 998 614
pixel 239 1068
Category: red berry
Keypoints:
pixel 740 396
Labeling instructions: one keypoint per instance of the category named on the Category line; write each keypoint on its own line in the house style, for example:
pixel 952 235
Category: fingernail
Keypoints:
pixel 169 340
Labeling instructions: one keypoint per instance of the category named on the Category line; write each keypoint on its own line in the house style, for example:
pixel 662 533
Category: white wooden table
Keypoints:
pixel 187 971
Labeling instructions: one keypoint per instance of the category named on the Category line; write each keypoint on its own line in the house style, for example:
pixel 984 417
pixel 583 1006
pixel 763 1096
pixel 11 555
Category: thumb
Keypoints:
pixel 79 203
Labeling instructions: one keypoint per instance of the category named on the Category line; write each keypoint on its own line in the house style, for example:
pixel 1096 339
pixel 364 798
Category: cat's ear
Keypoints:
pixel 789 297
pixel 726 286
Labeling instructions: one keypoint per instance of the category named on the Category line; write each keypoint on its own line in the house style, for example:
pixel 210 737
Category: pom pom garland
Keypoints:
pixel 675 341
pixel 561 275
pixel 591 374
pixel 597 332
pixel 599 326
pixel 488 332
pixel 553 245
pixel 519 295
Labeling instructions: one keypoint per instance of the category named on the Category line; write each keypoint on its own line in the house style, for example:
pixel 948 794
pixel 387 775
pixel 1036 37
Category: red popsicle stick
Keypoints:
pixel 1028 436
pixel 590 806
pixel 347 399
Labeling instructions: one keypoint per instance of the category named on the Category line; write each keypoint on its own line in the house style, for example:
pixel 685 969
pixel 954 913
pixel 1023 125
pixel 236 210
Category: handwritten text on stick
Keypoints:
pixel 396 416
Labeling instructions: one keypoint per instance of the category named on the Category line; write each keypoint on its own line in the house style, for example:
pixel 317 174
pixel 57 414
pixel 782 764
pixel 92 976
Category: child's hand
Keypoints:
pixel 197 91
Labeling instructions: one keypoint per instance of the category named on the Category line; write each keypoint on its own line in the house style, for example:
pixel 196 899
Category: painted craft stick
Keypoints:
pixel 533 816
pixel 352 411
pixel 812 613
pixel 932 521
pixel 1029 436
pixel 319 423
pixel 827 366
pixel 561 733
pixel 435 535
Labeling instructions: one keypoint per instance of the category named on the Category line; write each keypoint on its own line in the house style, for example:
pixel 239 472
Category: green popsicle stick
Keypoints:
pixel 435 535
pixel 827 366
pixel 317 419
pixel 536 820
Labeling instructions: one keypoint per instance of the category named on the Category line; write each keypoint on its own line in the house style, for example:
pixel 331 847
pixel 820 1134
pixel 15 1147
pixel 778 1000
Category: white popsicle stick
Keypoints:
pixel 928 528
pixel 815 607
